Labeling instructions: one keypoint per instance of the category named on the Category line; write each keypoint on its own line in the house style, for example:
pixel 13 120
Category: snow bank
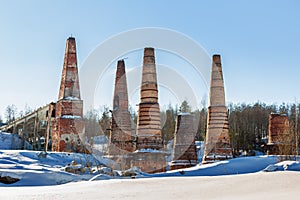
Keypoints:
pixel 241 165
pixel 283 166
pixel 10 141
pixel 71 117
pixel 33 169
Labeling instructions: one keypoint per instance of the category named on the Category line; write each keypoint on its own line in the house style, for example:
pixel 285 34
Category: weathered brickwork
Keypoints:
pixel 184 153
pixel 69 124
pixel 121 139
pixel 217 145
pixel 149 161
pixel 149 155
pixel 148 122
pixel 279 138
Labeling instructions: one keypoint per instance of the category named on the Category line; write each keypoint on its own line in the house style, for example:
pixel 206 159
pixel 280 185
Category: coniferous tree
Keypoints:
pixel 185 107
pixel 105 121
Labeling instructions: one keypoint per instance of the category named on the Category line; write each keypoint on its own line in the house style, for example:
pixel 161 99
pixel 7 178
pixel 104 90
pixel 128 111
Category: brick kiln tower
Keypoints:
pixel 279 140
pixel 148 127
pixel 69 124
pixel 149 156
pixel 217 145
pixel 121 140
pixel 184 153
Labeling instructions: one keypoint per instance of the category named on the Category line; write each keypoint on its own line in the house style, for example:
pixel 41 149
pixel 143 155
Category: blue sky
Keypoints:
pixel 258 40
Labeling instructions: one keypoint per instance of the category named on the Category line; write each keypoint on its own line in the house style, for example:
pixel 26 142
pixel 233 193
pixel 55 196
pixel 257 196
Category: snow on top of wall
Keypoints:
pixel 71 98
pixel 184 113
pixel 71 117
pixel 150 151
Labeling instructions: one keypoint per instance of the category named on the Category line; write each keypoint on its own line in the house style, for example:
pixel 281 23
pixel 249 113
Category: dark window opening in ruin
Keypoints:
pixel 47 113
pixel 53 113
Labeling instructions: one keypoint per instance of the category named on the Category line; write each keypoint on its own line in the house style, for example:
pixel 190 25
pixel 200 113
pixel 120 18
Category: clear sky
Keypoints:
pixel 259 41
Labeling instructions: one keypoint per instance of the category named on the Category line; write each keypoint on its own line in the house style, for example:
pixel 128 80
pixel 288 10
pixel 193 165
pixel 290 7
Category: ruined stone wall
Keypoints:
pixel 184 153
pixel 278 128
pixel 279 137
pixel 150 162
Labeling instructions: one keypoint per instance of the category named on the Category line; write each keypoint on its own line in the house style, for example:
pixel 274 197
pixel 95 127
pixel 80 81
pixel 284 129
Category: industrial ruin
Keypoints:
pixel 34 127
pixel 184 152
pixel 149 155
pixel 60 123
pixel 121 138
pixel 279 140
pixel 217 144
pixel 145 149
pixel 69 124
pixel 59 126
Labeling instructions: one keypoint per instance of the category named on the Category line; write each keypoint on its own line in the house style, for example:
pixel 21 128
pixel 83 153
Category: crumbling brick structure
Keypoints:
pixel 184 152
pixel 279 138
pixel 69 125
pixel 121 139
pixel 217 145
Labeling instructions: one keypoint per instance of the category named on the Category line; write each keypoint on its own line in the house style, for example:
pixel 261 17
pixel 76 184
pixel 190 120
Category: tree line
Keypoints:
pixel 248 123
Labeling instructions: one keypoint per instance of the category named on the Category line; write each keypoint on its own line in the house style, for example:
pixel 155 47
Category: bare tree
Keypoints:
pixel 92 126
pixel 10 113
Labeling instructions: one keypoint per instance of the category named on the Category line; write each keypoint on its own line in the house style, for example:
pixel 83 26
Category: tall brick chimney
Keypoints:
pixel 69 125
pixel 217 146
pixel 148 126
pixel 120 134
pixel 149 156
pixel 69 86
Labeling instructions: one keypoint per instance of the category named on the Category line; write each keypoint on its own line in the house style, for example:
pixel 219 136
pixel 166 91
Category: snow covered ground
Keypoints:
pixel 44 177
pixel 36 175
pixel 262 185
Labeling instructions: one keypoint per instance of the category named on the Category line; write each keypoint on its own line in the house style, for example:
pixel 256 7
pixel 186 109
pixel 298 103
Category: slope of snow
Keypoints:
pixel 33 169
pixel 284 166
pixel 239 165
pixel 266 186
